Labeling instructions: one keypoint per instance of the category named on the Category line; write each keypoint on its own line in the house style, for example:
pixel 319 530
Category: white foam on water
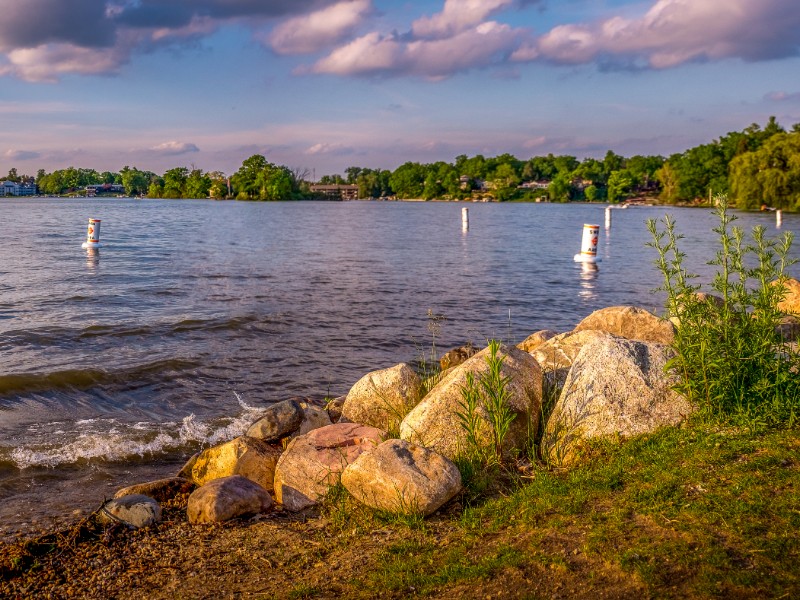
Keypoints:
pixel 112 441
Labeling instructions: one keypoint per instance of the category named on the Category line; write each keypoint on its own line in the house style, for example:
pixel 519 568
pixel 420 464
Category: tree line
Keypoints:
pixel 755 167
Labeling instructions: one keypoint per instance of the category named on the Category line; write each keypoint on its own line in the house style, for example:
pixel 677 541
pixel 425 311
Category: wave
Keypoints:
pixel 109 441
pixel 86 378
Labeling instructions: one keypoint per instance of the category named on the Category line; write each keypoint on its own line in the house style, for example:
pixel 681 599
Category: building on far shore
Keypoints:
pixel 335 191
pixel 13 188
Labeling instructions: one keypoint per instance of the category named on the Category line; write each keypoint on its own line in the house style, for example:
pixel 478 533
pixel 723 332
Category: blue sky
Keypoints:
pixel 326 84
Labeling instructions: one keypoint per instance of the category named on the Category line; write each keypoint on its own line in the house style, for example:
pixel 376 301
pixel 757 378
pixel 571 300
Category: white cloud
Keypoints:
pixel 311 33
pixel 457 16
pixel 48 62
pixel 175 148
pixel 674 32
pixel 373 54
pixel 323 148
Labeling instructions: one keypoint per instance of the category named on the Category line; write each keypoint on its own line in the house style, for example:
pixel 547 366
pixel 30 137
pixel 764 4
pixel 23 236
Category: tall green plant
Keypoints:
pixel 732 361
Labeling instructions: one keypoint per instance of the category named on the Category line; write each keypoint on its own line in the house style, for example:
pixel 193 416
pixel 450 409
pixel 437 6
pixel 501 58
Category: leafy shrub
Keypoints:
pixel 732 361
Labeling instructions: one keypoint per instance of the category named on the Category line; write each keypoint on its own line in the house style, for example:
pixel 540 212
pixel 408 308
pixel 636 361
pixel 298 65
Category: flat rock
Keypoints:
pixel 227 498
pixel 630 322
pixel 402 477
pixel 135 510
pixel 616 387
pixel 383 398
pixel 161 490
pixel 246 456
pixel 434 423
pixel 279 420
pixel 313 462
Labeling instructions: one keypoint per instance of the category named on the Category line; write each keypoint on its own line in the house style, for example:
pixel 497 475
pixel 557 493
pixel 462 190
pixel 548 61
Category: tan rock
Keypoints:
pixel 435 422
pixel 227 498
pixel 534 340
pixel 402 477
pixel 161 490
pixel 616 387
pixel 334 408
pixel 314 417
pixel 790 303
pixel 246 456
pixel 630 322
pixel 383 398
pixel 313 462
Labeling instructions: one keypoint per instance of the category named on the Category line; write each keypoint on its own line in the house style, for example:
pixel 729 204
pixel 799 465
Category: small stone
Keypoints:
pixel 134 510
pixel 279 420
pixel 227 498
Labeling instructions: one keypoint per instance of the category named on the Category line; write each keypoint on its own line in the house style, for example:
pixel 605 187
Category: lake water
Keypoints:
pixel 117 365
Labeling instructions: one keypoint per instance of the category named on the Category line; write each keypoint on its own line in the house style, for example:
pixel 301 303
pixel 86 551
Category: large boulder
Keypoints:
pixel 135 510
pixel 279 420
pixel 383 398
pixel 556 355
pixel 227 498
pixel 161 490
pixel 630 322
pixel 536 339
pixel 790 303
pixel 402 477
pixel 246 456
pixel 616 387
pixel 313 462
pixel 436 422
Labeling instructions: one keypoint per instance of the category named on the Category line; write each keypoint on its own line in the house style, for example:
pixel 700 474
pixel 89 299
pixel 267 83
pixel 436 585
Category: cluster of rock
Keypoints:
pixel 394 450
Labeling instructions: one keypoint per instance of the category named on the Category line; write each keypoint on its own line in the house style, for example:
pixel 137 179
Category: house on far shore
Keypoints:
pixel 12 188
pixel 335 191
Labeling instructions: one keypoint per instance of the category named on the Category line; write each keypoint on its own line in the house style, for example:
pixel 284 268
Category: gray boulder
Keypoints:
pixel 134 510
pixel 616 387
pixel 227 498
pixel 279 420
pixel 401 477
pixel 556 355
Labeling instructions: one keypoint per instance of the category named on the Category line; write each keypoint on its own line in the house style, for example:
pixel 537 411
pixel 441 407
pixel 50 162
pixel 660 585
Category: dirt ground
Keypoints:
pixel 279 555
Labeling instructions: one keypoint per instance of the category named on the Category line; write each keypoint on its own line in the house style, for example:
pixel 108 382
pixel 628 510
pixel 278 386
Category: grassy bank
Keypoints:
pixel 689 512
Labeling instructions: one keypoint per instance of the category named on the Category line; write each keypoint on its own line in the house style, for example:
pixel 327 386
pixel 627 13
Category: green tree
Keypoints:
pixel 408 180
pixel 175 182
pixel 560 188
pixel 198 184
pixel 769 175
pixel 618 184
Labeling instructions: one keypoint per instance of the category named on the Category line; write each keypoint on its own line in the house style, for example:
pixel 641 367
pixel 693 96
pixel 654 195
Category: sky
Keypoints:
pixel 321 85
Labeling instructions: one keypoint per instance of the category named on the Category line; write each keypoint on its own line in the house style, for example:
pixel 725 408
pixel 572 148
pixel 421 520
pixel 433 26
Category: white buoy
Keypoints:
pixel 93 235
pixel 465 218
pixel 591 233
pixel 608 217
pixel 778 218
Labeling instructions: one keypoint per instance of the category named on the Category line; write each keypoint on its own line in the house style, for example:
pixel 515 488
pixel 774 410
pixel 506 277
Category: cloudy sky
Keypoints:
pixel 325 84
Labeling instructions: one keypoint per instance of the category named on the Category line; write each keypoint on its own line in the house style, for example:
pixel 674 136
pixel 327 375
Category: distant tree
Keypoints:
pixel 591 193
pixel 12 175
pixel 408 180
pixel 197 184
pixel 136 182
pixel 619 182
pixel 175 182
pixel 560 188
pixel 769 175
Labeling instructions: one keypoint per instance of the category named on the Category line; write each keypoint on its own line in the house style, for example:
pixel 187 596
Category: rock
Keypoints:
pixel 227 498
pixel 630 322
pixel 334 408
pixel 402 477
pixel 555 356
pixel 534 340
pixel 790 303
pixel 279 420
pixel 186 469
pixel 134 510
pixel 789 328
pixel 615 387
pixel 314 417
pixel 435 422
pixel 162 490
pixel 457 356
pixel 250 457
pixel 383 398
pixel 313 462
pixel 714 304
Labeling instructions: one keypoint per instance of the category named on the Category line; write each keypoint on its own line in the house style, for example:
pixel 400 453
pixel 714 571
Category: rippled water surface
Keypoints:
pixel 195 315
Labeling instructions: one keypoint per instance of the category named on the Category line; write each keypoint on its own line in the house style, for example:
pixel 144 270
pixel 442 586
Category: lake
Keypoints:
pixel 117 364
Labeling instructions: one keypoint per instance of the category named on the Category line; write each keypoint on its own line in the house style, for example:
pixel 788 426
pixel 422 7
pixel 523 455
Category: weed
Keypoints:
pixel 732 361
